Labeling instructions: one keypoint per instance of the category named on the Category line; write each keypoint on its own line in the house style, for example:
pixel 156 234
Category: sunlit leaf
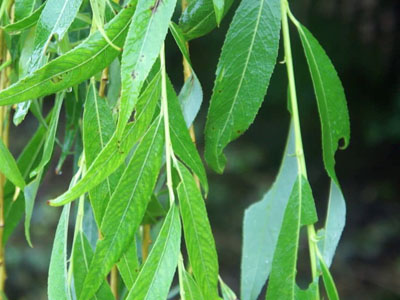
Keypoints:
pixel 128 265
pixel 25 22
pixel 189 290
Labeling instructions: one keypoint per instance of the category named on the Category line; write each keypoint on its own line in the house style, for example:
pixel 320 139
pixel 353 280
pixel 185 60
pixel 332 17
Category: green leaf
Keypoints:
pixel 239 89
pixel 98 128
pixel 57 281
pixel 199 18
pixel 51 135
pixel 198 235
pixel 181 142
pixel 191 95
pixel 26 22
pixel 116 150
pixel 219 10
pixel 227 293
pixel 189 290
pixel 262 223
pixel 126 207
pixel 77 65
pixel 329 284
pixel 30 193
pixel 282 282
pixel 23 8
pixel 55 19
pixel 334 224
pixel 128 265
pixel 82 254
pixel 156 276
pixel 141 49
pixel 332 107
pixel 9 167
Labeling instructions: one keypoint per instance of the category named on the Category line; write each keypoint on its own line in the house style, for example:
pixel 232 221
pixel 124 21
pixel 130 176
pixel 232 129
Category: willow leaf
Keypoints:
pixel 191 95
pixel 51 135
pixel 9 167
pixel 128 266
pixel 282 282
pixel 75 66
pixel 142 46
pixel 180 138
pixel 219 10
pixel 199 18
pixel 329 284
pixel 331 100
pixel 98 128
pixel 57 281
pixel 156 276
pixel 198 235
pixel 226 291
pixel 82 254
pixel 262 223
pixel 23 8
pixel 330 235
pixel 126 208
pixel 116 150
pixel 26 22
pixel 239 89
pixel 189 290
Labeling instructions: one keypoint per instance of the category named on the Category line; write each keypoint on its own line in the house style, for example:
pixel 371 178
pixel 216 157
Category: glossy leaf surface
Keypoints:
pixel 239 89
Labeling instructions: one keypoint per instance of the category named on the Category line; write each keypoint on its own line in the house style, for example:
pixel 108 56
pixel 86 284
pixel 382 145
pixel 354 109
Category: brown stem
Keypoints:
pixel 103 82
pixel 146 242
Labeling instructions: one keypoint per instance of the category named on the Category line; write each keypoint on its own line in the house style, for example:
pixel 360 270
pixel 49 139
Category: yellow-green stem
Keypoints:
pixel 297 130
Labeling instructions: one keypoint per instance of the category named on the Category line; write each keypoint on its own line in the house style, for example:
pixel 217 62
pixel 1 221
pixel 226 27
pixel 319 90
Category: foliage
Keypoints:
pixel 137 163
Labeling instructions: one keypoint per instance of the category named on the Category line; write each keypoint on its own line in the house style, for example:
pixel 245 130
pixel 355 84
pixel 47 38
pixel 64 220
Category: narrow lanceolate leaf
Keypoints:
pixel 156 276
pixel 77 65
pixel 23 8
pixel 199 18
pixel 126 208
pixel 239 87
pixel 82 254
pixel 128 266
pixel 282 282
pixel 334 224
pixel 189 290
pixel 331 100
pixel 26 22
pixel 191 95
pixel 219 10
pixel 329 284
pixel 180 138
pixel 198 235
pixel 55 19
pixel 57 282
pixel 98 128
pixel 142 46
pixel 226 291
pixel 116 150
pixel 51 135
pixel 261 226
pixel 9 167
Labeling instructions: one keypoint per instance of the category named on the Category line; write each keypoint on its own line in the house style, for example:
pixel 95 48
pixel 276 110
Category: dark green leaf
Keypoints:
pixel 199 18
pixel 331 100
pixel 142 46
pixel 57 281
pixel 26 22
pixel 77 65
pixel 23 8
pixel 198 235
pixel 239 88
pixel 30 193
pixel 9 167
pixel 156 276
pixel 262 224
pixel 126 208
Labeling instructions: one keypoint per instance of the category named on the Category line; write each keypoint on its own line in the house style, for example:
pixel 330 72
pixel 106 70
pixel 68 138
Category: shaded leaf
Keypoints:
pixel 329 284
pixel 77 65
pixel 332 107
pixel 23 8
pixel 128 266
pixel 156 276
pixel 198 235
pixel 141 49
pixel 9 167
pixel 126 207
pixel 26 22
pixel 239 89
pixel 227 293
pixel 262 224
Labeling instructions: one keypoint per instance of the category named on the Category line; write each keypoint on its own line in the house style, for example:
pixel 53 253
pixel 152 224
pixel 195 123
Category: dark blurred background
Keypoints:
pixel 362 39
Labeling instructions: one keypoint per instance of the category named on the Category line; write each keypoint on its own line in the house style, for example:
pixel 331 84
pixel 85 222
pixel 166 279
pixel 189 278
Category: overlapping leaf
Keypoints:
pixel 9 167
pixel 239 88
pixel 26 22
